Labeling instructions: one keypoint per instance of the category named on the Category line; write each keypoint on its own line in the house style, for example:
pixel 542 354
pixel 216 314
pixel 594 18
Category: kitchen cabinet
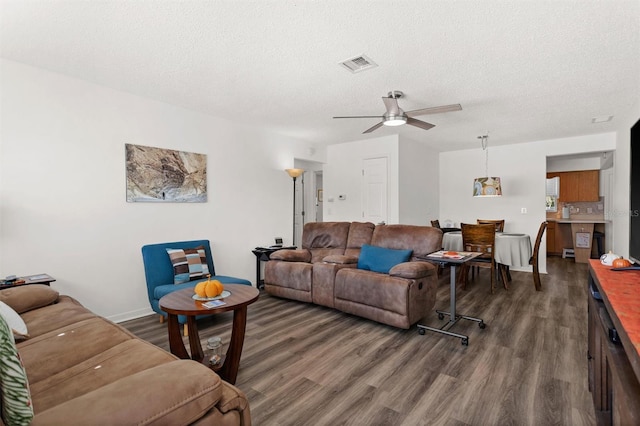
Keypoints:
pixel 582 185
pixel 551 238
pixel 558 237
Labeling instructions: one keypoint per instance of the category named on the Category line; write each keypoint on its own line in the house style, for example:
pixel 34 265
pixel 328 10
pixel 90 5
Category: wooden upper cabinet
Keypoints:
pixel 583 185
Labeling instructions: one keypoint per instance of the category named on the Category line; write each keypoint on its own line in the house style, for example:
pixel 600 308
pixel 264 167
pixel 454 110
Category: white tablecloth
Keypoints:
pixel 511 249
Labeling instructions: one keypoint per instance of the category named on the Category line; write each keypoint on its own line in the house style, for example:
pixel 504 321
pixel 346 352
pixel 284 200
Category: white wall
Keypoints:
pixel 419 176
pixel 62 187
pixel 562 164
pixel 343 175
pixel 522 168
pixel 413 195
pixel 621 203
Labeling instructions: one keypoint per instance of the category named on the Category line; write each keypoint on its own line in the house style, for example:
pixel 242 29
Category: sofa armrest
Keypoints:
pixel 298 255
pixel 413 270
pixel 28 297
pixel 233 399
pixel 340 259
pixel 143 398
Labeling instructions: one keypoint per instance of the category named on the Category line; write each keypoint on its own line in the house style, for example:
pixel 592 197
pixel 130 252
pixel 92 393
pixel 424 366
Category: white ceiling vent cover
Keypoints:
pixel 358 63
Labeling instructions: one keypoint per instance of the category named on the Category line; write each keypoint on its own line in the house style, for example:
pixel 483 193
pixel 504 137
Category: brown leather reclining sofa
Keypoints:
pixel 325 271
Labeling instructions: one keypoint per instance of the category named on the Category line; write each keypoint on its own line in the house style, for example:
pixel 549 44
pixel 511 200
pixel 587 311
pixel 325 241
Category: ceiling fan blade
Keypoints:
pixel 361 116
pixel 392 106
pixel 371 129
pixel 434 110
pixel 418 123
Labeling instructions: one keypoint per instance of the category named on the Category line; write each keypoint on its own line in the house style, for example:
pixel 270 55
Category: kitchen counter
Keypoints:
pixel 558 220
pixel 582 236
pixel 614 359
pixel 620 291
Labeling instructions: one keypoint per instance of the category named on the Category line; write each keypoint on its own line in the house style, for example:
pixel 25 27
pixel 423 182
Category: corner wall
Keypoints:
pixel 412 180
pixel 62 187
pixel 343 176
pixel 419 183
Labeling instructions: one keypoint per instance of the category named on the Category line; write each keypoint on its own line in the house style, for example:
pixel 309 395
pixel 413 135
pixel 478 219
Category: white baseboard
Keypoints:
pixel 131 315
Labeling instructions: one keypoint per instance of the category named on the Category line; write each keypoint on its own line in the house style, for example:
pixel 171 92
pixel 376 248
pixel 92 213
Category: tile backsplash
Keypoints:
pixel 581 210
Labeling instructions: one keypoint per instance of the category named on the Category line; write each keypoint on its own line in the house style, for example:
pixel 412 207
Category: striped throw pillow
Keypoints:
pixel 16 398
pixel 188 264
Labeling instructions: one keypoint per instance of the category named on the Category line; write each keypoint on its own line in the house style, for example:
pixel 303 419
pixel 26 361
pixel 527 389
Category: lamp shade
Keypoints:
pixel 487 187
pixel 294 173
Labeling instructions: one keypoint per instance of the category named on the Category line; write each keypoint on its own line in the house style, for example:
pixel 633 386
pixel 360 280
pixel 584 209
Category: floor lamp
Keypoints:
pixel 294 173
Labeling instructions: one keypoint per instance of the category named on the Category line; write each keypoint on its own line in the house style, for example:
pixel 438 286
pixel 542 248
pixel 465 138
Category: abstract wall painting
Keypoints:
pixel 165 175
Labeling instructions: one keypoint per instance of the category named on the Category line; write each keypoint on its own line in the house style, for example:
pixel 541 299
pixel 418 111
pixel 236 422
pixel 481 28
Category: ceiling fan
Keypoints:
pixel 395 116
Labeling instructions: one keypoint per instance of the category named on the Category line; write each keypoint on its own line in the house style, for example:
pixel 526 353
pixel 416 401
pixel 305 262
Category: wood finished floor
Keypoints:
pixel 309 365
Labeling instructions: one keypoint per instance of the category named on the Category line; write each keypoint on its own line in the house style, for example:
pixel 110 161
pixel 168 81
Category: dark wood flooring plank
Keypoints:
pixel 310 365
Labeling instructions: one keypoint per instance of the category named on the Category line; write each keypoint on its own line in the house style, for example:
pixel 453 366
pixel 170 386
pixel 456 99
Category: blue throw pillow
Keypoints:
pixel 380 259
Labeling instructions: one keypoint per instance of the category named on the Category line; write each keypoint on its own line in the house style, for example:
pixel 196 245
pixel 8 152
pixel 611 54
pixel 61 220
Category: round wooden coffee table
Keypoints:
pixel 181 302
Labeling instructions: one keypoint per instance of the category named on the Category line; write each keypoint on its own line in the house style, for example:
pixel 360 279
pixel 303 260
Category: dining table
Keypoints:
pixel 511 249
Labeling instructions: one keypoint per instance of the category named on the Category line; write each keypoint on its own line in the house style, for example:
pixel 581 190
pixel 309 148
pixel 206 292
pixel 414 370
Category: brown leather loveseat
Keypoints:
pixel 331 270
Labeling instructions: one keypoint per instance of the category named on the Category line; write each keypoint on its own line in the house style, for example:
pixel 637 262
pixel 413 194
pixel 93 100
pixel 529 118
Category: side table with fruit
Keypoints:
pixel 186 302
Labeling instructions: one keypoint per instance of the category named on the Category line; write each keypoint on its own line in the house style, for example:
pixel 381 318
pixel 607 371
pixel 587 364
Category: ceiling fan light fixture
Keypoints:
pixel 395 120
pixel 395 116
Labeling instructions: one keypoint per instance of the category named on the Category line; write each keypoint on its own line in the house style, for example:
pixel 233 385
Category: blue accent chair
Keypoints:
pixel 158 272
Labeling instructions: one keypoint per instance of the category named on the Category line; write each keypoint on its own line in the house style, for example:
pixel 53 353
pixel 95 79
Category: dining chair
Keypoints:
pixel 436 224
pixel 499 224
pixel 534 258
pixel 481 238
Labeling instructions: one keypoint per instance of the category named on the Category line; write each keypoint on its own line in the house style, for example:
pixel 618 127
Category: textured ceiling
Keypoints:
pixel 523 71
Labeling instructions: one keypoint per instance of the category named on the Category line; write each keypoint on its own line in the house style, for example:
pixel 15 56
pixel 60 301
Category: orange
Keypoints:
pixel 200 289
pixel 213 288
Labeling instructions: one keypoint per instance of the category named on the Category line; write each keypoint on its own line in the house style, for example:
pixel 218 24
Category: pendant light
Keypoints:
pixel 486 186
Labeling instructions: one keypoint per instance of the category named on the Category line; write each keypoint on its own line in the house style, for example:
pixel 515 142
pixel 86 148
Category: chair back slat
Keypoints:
pixel 536 247
pixel 534 258
pixel 498 223
pixel 480 238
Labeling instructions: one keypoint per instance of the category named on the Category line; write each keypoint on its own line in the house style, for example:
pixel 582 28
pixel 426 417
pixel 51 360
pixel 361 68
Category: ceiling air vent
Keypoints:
pixel 358 63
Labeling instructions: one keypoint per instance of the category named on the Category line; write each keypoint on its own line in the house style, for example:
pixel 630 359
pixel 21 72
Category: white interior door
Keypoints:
pixel 319 198
pixel 374 181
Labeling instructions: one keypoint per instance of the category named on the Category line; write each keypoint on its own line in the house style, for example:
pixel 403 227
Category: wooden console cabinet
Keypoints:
pixel 614 362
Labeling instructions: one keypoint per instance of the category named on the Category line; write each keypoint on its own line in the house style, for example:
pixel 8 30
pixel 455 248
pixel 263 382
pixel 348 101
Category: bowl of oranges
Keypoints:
pixel 210 290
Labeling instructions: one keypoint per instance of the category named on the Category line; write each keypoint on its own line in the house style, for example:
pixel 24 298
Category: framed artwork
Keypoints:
pixel 165 175
pixel 319 195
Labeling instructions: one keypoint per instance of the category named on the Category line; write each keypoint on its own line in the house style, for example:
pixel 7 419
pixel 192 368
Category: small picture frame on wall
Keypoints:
pixel 319 195
pixel 583 239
